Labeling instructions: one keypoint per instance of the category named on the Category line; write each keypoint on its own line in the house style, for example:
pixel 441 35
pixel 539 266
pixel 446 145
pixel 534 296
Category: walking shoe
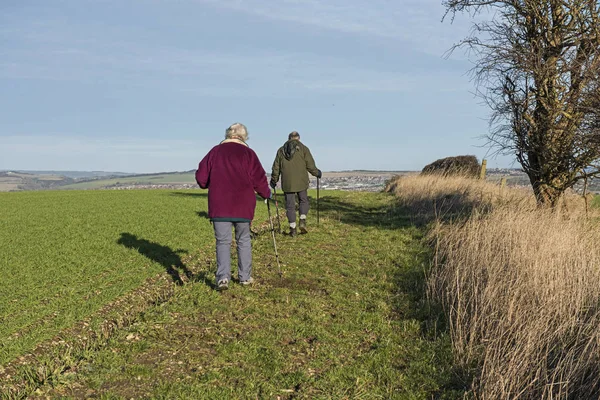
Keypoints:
pixel 223 284
pixel 248 282
pixel 293 232
pixel 303 226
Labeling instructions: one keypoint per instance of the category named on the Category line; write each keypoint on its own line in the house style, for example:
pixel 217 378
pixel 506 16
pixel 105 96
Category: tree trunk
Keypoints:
pixel 546 195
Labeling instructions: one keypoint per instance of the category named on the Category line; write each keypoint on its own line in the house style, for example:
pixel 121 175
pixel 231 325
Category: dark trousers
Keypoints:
pixel 290 204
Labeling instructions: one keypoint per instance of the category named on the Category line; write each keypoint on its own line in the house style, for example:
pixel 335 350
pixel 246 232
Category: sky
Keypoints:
pixel 151 85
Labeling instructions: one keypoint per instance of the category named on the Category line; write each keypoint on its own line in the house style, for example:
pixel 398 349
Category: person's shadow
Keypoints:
pixel 202 214
pixel 164 255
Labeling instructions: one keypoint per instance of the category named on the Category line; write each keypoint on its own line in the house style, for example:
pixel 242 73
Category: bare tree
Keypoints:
pixel 537 66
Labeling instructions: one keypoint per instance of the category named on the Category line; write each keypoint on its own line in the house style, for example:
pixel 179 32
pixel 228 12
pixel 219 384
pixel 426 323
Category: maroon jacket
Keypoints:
pixel 232 173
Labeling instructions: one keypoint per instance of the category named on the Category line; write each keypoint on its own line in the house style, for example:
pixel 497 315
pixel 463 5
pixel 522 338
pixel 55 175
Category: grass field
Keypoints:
pixel 347 320
pixel 61 258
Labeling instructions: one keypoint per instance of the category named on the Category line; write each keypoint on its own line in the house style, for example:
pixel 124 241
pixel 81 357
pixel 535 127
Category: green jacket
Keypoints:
pixel 293 162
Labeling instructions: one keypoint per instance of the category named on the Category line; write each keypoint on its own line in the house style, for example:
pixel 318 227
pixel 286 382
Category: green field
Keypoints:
pixel 158 179
pixel 347 320
pixel 61 259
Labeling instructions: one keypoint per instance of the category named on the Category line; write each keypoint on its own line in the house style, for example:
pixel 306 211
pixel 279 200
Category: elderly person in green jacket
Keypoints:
pixel 293 163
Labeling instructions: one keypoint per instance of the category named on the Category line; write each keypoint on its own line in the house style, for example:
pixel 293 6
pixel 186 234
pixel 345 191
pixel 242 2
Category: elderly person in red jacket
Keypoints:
pixel 232 174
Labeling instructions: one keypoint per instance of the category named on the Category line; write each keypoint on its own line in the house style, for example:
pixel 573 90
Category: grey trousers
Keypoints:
pixel 244 249
pixel 290 204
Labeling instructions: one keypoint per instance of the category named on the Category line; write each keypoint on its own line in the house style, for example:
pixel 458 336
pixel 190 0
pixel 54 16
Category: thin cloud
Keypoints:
pixel 194 71
pixel 416 22
pixel 93 53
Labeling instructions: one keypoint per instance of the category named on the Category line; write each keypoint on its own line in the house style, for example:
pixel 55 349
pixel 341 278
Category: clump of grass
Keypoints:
pixel 436 197
pixel 519 285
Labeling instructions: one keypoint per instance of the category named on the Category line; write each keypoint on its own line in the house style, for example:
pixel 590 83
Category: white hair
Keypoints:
pixel 237 131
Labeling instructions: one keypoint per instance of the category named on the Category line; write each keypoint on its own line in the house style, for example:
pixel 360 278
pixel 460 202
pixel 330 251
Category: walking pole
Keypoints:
pixel 273 234
pixel 277 211
pixel 318 201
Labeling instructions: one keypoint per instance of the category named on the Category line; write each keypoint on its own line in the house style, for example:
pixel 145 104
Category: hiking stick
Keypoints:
pixel 318 201
pixel 273 234
pixel 277 211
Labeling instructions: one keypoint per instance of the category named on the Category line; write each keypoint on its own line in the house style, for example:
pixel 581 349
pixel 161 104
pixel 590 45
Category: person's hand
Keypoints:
pixel 271 196
pixel 319 174
pixel 273 184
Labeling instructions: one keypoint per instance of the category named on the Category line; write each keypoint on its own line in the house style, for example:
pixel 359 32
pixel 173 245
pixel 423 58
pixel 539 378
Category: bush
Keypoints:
pixel 466 166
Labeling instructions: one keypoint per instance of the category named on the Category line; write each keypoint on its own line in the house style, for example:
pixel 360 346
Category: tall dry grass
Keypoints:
pixel 520 285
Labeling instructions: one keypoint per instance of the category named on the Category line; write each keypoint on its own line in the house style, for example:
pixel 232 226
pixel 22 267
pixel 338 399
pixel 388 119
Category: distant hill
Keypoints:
pixel 139 180
pixel 19 180
pixel 11 181
pixel 85 180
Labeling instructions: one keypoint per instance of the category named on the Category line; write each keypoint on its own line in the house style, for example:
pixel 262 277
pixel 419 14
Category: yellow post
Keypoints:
pixel 483 169
pixel 502 183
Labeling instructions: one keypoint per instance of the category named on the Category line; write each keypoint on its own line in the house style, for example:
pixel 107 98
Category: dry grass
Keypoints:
pixel 434 196
pixel 520 287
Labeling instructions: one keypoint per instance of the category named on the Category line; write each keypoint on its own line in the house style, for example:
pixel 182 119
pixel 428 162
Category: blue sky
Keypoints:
pixel 151 85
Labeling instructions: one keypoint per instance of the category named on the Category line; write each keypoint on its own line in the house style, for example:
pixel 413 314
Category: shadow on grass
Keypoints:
pixel 410 298
pixel 202 214
pixel 164 255
pixel 412 302
pixel 190 194
pixel 386 216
